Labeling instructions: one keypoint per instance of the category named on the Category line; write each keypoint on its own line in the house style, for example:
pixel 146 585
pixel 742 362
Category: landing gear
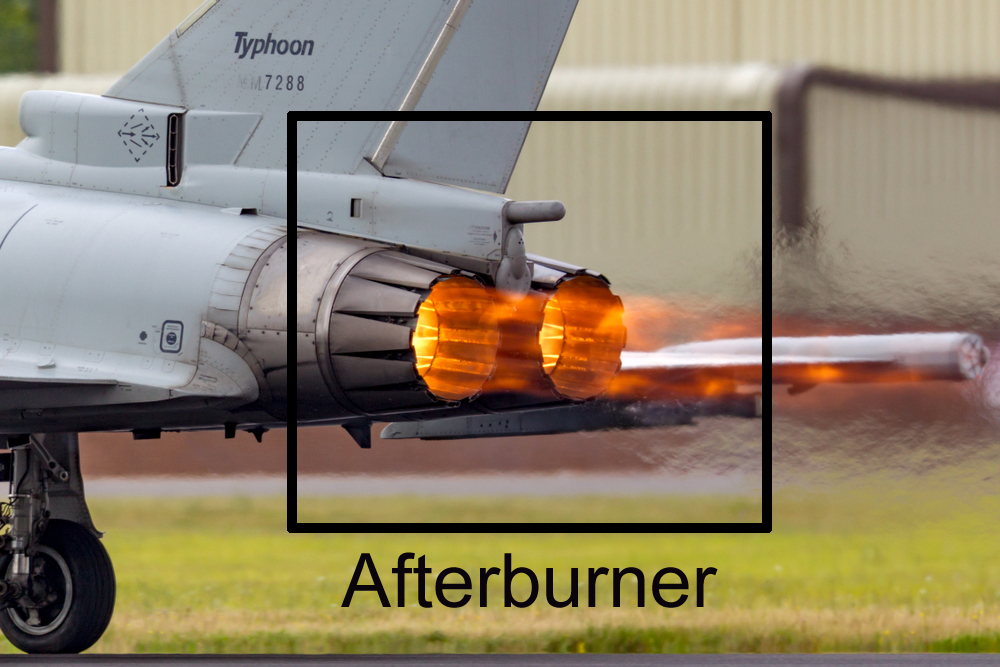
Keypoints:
pixel 70 595
pixel 57 590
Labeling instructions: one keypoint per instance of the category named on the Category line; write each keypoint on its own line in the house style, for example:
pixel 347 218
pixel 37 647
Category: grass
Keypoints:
pixel 844 570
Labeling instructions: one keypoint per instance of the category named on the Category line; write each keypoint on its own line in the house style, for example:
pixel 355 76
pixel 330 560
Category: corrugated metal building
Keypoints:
pixel 101 36
pixel 889 210
pixel 659 207
pixel 892 37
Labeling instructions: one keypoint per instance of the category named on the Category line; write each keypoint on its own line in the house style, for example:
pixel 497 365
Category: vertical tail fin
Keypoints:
pixel 270 58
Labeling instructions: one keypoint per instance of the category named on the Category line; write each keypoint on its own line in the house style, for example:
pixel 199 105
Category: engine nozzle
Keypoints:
pixel 582 337
pixel 456 338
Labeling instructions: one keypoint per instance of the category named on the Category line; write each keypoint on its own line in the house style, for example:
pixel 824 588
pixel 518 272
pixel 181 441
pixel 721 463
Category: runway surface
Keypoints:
pixel 560 660
pixel 558 484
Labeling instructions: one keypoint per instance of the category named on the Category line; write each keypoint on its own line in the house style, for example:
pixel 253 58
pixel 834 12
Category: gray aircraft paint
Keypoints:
pixel 153 293
pixel 172 277
pixel 426 215
pixel 56 152
pixel 411 212
pixel 144 245
pixel 86 194
pixel 479 155
pixel 500 59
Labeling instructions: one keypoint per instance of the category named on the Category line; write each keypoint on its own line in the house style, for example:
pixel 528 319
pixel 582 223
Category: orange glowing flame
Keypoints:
pixel 519 367
pixel 825 373
pixel 549 346
pixel 582 337
pixel 456 338
pixel 703 383
pixel 654 323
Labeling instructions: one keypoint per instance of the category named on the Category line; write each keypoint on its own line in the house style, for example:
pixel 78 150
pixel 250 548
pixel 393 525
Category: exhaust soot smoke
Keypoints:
pixel 943 432
pixel 891 423
pixel 550 336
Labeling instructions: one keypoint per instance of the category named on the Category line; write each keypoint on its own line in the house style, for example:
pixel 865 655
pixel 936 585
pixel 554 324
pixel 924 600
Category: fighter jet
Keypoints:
pixel 144 284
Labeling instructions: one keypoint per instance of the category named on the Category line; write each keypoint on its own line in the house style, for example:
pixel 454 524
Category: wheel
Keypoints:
pixel 72 591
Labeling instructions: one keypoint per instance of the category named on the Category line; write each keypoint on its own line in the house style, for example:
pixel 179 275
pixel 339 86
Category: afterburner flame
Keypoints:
pixel 582 337
pixel 456 338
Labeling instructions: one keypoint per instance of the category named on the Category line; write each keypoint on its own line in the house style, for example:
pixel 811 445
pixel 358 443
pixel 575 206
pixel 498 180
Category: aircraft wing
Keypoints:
pixel 39 377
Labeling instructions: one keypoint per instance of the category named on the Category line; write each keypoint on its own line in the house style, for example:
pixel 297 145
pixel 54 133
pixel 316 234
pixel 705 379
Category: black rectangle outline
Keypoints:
pixel 294 526
pixel 163 332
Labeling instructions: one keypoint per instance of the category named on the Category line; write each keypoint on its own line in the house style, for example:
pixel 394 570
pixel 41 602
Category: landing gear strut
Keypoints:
pixel 57 590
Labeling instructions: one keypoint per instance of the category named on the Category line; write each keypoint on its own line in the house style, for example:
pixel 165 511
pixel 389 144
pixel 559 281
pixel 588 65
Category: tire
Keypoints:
pixel 64 625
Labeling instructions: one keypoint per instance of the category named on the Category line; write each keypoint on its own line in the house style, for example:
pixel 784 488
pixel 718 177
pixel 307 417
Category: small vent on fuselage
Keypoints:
pixel 174 149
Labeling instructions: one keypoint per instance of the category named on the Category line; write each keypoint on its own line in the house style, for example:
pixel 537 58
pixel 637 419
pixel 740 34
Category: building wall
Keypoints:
pixel 101 36
pixel 658 206
pixel 906 212
pixel 895 37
